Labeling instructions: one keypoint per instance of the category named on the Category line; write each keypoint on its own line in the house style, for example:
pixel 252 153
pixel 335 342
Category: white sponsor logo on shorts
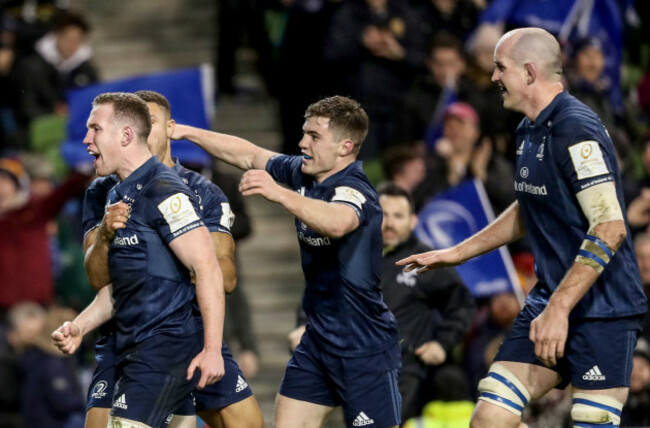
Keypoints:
pixel 362 420
pixel 99 390
pixel 241 384
pixel 593 374
pixel 121 402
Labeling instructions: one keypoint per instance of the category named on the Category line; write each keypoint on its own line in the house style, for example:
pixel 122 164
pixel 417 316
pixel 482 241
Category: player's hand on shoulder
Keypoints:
pixel 115 217
pixel 424 262
pixel 67 338
pixel 210 365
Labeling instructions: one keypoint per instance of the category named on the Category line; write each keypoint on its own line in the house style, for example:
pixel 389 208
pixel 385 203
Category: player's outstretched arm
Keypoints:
pixel 333 220
pixel 228 148
pixel 68 337
pixel 605 235
pixel 507 228
pixel 224 248
pixel 96 260
pixel 195 250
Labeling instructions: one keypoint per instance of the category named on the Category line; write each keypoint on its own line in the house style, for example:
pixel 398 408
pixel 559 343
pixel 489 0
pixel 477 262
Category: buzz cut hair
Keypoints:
pixel 347 119
pixel 128 108
pixel 156 98
pixel 537 46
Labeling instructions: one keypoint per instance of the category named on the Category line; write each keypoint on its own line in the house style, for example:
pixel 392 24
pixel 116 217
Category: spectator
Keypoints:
pixel 459 156
pixel 376 47
pixel 50 393
pixel 404 166
pixel 497 123
pixel 25 246
pixel 61 61
pixel 427 99
pixel 588 82
pixel 433 311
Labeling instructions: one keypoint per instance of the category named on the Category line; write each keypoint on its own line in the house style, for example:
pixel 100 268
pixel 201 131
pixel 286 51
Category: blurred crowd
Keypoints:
pixel 422 70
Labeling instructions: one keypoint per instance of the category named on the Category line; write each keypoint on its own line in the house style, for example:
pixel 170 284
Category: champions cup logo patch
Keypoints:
pixel 588 159
pixel 178 211
pixel 350 195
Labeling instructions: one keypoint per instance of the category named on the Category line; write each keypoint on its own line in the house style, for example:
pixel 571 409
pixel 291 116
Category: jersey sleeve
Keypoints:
pixel 95 203
pixel 217 214
pixel 353 195
pixel 283 168
pixel 583 154
pixel 172 210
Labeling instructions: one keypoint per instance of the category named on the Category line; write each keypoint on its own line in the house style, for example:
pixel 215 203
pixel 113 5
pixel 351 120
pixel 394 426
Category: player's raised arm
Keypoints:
pixel 195 250
pixel 228 148
pixel 330 219
pixel 507 228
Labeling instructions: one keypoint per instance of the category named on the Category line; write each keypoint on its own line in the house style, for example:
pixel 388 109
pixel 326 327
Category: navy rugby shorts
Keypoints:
pixel 365 386
pixel 152 379
pixel 597 354
pixel 232 388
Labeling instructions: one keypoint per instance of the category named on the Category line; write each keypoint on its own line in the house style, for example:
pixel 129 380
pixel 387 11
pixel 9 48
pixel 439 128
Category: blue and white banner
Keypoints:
pixel 190 94
pixel 457 214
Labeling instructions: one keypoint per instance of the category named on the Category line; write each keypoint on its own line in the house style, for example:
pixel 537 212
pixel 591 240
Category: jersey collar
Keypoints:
pixel 545 115
pixel 142 170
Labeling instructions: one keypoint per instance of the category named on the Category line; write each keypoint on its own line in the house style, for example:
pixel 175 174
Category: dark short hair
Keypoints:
pixel 156 98
pixel 130 108
pixel 71 19
pixel 393 190
pixel 445 40
pixel 347 118
pixel 394 159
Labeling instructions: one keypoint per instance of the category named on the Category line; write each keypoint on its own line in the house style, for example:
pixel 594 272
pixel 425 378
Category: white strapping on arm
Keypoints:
pixel 600 204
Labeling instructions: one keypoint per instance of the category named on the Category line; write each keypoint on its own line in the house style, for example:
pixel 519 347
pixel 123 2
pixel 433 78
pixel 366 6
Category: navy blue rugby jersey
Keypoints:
pixel 342 299
pixel 567 150
pixel 213 203
pixel 152 289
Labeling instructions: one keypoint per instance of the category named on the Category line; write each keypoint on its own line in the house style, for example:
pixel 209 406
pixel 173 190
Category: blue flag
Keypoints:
pixel 457 214
pixel 187 91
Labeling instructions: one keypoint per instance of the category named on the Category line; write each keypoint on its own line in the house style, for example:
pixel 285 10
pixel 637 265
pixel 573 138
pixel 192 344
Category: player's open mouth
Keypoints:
pixel 503 90
pixel 307 157
pixel 93 154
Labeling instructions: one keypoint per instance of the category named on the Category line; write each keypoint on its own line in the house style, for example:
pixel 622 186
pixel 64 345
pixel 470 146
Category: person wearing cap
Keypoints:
pixel 461 154
pixel 582 319
pixel 25 241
